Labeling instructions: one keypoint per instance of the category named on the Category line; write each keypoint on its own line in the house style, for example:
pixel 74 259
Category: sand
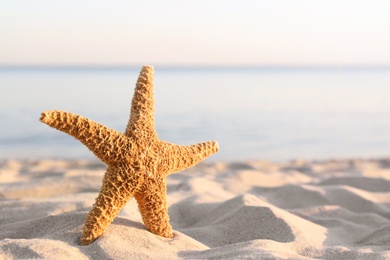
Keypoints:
pixel 334 209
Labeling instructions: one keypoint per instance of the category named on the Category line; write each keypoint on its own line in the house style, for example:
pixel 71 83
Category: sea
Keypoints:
pixel 255 113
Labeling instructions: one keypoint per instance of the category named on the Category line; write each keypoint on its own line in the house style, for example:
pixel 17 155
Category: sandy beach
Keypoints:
pixel 334 209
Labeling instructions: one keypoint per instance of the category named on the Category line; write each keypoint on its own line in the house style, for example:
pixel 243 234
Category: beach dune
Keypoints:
pixel 333 209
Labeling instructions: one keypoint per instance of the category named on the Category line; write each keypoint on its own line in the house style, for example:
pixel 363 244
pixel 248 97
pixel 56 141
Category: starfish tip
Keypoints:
pixel 44 116
pixel 216 146
pixel 147 68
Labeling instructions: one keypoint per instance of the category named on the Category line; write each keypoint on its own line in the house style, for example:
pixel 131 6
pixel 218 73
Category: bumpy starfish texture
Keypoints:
pixel 138 162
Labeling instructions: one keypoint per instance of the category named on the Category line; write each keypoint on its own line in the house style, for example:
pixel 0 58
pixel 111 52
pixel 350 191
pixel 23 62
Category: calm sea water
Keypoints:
pixel 272 114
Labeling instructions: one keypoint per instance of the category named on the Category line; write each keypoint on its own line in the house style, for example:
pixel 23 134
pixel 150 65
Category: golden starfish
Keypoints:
pixel 138 162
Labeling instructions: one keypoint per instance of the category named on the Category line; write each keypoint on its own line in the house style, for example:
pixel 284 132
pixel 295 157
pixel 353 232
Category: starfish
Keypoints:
pixel 138 162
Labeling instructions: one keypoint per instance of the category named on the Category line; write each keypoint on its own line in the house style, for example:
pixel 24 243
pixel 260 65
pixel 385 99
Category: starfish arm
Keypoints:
pixel 141 123
pixel 118 187
pixel 152 204
pixel 178 157
pixel 104 142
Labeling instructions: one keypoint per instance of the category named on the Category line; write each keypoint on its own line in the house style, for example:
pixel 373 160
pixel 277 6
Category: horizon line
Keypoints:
pixel 192 67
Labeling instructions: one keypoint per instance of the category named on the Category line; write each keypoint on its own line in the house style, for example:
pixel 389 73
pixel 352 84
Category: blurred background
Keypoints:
pixel 272 80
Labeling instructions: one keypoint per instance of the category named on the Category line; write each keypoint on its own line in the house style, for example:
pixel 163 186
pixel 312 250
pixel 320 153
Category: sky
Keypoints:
pixel 202 32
